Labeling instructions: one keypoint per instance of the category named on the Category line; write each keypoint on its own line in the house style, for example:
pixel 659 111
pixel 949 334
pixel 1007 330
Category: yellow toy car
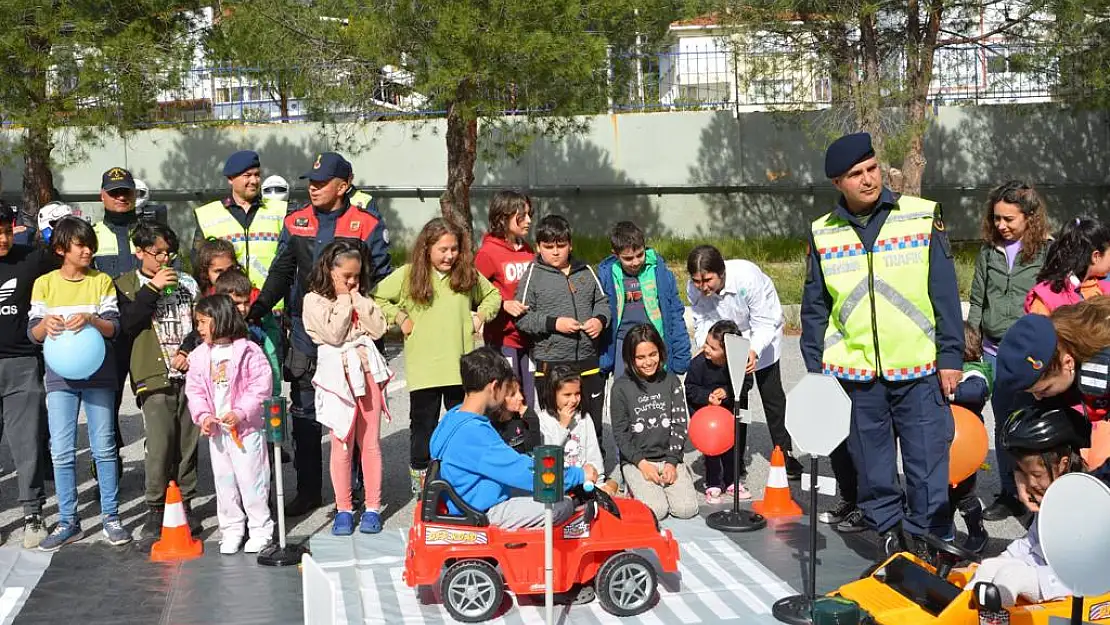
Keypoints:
pixel 905 590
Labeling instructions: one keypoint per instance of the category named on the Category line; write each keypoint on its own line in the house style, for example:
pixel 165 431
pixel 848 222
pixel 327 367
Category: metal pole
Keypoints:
pixel 280 495
pixel 1077 610
pixel 811 584
pixel 548 563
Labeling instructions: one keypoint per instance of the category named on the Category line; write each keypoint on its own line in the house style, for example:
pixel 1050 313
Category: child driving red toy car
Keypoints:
pixel 476 461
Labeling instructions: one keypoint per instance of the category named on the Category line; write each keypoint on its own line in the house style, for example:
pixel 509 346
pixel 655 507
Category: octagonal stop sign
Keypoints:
pixel 818 414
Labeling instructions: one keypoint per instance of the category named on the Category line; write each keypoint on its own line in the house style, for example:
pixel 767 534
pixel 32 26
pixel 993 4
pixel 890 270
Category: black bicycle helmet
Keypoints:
pixel 1039 428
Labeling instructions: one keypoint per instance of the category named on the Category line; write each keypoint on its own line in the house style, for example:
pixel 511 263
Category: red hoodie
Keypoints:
pixel 503 266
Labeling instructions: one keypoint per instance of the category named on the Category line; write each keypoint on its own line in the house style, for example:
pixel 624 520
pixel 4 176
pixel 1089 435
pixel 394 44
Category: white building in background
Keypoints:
pixel 709 65
pixel 213 92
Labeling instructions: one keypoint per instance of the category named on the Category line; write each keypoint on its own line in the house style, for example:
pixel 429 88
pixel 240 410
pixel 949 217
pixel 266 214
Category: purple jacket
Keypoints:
pixel 250 381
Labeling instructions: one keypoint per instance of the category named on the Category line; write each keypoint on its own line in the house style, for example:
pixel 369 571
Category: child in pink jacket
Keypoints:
pixel 227 380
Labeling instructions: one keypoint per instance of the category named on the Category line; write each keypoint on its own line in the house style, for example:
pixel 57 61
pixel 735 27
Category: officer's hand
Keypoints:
pixel 180 361
pixel 949 380
pixel 753 359
pixel 165 277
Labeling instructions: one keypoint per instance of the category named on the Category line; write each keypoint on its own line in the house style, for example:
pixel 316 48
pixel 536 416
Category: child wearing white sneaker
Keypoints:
pixel 708 384
pixel 227 381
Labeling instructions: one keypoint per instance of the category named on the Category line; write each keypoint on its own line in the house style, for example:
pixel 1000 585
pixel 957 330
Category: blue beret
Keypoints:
pixel 240 162
pixel 1025 353
pixel 845 152
pixel 328 165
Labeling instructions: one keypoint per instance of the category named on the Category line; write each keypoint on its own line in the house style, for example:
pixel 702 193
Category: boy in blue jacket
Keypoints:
pixel 641 289
pixel 476 461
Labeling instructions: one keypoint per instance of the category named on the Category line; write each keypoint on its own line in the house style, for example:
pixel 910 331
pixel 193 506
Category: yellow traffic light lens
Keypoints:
pixel 548 478
pixel 275 422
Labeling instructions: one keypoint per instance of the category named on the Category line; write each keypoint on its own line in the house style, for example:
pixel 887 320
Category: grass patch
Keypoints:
pixel 781 258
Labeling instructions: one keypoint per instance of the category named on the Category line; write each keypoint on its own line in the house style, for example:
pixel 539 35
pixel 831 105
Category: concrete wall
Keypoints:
pixel 684 173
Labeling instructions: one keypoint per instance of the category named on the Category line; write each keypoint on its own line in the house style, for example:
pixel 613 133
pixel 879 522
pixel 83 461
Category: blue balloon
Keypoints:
pixel 75 355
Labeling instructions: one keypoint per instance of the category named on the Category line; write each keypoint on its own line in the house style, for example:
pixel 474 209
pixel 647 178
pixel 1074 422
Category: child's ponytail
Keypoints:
pixel 1070 253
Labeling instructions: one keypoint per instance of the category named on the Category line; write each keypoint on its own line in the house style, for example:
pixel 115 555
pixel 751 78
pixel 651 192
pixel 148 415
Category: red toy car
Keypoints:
pixel 473 562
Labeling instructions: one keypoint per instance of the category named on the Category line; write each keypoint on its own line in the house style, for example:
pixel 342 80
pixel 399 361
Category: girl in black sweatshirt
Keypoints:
pixel 649 423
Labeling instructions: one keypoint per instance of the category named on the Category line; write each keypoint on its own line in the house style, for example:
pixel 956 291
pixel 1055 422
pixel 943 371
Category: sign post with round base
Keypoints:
pixel 280 554
pixel 737 520
pixel 818 417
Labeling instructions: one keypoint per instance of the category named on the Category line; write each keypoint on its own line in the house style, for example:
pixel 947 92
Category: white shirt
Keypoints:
pixel 750 300
pixel 221 378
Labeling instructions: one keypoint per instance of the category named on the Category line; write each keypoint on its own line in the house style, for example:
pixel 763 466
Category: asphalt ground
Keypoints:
pixel 397 498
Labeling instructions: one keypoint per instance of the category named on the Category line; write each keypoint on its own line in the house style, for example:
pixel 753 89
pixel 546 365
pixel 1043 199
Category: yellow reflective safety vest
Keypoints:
pixel 255 247
pixel 106 243
pixel 882 320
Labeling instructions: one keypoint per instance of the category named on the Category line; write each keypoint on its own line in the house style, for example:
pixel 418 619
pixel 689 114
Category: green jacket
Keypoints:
pixel 268 337
pixel 441 332
pixel 998 293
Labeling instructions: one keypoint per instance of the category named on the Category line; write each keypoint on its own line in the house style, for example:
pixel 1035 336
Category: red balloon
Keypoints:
pixel 713 430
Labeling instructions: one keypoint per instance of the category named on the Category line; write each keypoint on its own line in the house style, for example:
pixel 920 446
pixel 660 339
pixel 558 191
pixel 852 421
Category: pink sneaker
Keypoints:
pixel 713 496
pixel 739 486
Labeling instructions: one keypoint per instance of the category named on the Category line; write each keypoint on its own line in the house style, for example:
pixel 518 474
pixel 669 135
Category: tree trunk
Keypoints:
pixel 919 65
pixel 38 181
pixel 462 152
pixel 869 97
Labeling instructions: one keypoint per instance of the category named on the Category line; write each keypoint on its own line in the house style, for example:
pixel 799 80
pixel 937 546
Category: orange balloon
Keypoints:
pixel 969 445
pixel 1099 452
pixel 712 430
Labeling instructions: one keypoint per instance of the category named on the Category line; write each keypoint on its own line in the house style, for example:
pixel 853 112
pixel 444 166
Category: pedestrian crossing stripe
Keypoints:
pixel 718 582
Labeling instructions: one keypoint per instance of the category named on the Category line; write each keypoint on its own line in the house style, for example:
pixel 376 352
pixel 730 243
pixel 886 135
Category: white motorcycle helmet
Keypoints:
pixel 275 188
pixel 142 194
pixel 50 214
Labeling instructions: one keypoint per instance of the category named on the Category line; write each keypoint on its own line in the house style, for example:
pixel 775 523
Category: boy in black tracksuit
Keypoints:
pixel 567 311
pixel 22 412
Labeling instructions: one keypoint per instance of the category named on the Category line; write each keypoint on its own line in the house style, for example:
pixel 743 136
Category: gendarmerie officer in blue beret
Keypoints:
pixel 881 312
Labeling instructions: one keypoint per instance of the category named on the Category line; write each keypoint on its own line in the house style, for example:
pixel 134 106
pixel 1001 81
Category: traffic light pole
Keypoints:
pixel 282 554
pixel 548 562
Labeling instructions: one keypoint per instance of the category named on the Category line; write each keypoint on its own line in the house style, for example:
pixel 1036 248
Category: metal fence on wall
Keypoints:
pixel 674 79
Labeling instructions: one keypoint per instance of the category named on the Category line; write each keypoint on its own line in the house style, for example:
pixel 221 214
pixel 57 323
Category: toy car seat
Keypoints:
pixel 435 490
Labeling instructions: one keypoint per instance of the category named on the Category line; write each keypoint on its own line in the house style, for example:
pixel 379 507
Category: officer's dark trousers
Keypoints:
pixel 769 381
pixel 916 415
pixel 308 458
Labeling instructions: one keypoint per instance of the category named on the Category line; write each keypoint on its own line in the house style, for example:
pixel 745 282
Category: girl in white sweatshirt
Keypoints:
pixel 563 423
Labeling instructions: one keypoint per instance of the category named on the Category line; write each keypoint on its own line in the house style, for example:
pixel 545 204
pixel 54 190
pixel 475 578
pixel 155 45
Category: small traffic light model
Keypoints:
pixel 547 479
pixel 273 413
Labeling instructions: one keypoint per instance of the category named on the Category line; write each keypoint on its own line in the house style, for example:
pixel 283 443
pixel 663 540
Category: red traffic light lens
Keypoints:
pixel 275 409
pixel 549 463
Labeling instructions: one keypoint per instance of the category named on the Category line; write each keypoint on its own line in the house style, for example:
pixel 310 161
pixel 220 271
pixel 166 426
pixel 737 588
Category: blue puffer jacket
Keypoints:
pixel 670 305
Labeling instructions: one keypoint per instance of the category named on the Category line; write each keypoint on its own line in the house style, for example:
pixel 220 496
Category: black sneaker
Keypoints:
pixel 837 514
pixel 892 541
pixel 852 523
pixel 794 469
pixel 1004 506
pixel 303 505
pixel 152 524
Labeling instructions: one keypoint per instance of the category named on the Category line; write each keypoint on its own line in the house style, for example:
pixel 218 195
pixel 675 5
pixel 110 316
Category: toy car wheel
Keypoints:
pixel 626 584
pixel 472 591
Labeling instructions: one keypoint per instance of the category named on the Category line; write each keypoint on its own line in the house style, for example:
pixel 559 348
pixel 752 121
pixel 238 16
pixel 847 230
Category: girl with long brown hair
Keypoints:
pixel 439 300
pixel 1015 243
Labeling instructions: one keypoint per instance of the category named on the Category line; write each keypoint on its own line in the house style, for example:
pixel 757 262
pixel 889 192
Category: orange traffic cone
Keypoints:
pixel 776 500
pixel 177 542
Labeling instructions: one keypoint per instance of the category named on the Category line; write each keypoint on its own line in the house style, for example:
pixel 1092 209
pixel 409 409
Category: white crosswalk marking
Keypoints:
pixel 774 586
pixel 530 613
pixel 702 592
pixel 601 615
pixel 410 607
pixel 677 604
pixel 8 600
pixel 733 585
pixel 368 595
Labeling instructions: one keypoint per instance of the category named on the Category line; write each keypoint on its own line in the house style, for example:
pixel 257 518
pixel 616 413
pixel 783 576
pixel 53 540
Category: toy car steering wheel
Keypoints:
pixel 948 554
